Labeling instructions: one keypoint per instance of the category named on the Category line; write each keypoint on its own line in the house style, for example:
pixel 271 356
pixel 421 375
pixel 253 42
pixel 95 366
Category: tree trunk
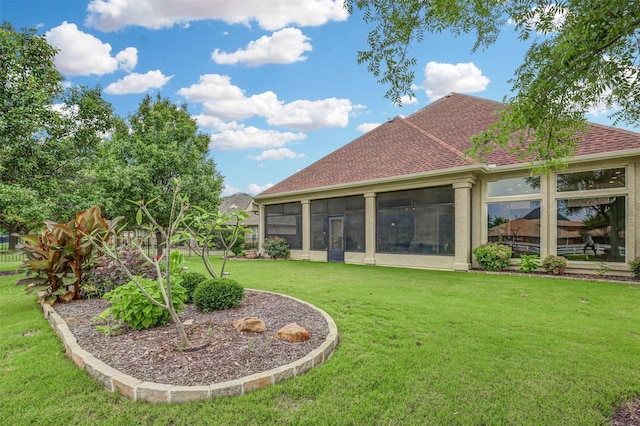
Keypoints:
pixel 159 244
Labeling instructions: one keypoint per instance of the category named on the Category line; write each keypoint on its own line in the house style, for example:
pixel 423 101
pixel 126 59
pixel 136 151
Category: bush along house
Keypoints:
pixel 404 194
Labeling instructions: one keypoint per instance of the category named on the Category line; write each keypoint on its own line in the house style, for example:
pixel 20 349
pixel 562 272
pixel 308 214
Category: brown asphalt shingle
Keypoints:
pixel 433 138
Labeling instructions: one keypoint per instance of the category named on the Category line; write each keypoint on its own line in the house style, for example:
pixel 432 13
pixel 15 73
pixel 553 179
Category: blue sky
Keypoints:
pixel 275 83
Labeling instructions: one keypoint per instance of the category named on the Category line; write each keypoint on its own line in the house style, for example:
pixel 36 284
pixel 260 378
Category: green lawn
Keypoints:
pixel 418 347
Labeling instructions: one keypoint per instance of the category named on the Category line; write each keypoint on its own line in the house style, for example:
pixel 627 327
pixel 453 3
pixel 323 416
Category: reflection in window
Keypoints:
pixel 592 229
pixel 516 224
pixel 591 179
pixel 285 220
pixel 418 221
pixel 514 186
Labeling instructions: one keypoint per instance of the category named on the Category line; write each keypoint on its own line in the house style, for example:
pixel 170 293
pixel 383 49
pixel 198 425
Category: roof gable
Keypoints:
pixel 431 139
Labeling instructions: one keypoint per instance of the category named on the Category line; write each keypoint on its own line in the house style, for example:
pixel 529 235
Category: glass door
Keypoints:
pixel 336 239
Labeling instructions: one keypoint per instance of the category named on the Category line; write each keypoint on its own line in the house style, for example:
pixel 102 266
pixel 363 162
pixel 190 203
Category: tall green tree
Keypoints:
pixel 49 135
pixel 581 54
pixel 158 143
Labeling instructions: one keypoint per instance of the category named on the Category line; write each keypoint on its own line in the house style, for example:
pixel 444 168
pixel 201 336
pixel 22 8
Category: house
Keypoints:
pixel 242 201
pixel 404 194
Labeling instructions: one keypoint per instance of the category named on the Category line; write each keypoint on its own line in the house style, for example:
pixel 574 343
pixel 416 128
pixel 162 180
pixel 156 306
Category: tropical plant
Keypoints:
pixel 493 257
pixel 218 293
pixel 554 264
pixel 60 255
pixel 276 247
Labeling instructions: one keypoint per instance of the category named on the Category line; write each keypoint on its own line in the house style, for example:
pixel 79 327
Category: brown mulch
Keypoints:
pixel 222 353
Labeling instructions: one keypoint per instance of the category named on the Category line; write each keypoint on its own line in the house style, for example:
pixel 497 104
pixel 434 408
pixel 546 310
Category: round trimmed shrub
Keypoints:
pixel 634 266
pixel 217 294
pixel 493 257
pixel 190 281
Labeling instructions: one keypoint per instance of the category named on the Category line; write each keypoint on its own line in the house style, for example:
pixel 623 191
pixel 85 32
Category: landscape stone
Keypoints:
pixel 293 333
pixel 252 324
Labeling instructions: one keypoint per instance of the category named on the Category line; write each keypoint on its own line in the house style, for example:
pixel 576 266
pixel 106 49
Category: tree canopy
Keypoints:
pixel 49 134
pixel 156 144
pixel 581 55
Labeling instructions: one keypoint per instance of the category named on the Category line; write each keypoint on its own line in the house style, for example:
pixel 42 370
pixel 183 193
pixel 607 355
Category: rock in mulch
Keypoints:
pixel 292 333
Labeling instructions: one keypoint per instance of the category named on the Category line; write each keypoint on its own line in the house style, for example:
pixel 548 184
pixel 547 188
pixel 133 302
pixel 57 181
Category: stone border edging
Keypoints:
pixel 138 390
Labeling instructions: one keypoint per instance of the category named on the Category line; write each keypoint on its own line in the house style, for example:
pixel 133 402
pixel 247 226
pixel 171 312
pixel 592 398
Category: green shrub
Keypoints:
pixel 529 263
pixel 493 257
pixel 276 247
pixel 218 293
pixel 634 265
pixel 129 305
pixel 554 264
pixel 189 281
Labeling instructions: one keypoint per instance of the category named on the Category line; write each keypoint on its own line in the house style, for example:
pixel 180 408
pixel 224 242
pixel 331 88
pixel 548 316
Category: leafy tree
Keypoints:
pixel 158 143
pixel 49 135
pixel 581 54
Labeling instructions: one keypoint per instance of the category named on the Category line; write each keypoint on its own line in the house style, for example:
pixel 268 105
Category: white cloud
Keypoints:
pixel 111 15
pixel 83 54
pixel 283 47
pixel 222 101
pixel 312 115
pixel 276 154
pixel 212 87
pixel 408 100
pixel 138 83
pixel 252 137
pixel 365 127
pixel 441 79
pixel 254 188
pixel 127 59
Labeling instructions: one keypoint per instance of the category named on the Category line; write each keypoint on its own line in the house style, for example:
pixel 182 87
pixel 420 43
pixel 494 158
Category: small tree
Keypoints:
pixel 203 230
pixel 171 263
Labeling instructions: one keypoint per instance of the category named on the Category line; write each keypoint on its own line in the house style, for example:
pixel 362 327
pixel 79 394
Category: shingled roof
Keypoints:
pixel 431 139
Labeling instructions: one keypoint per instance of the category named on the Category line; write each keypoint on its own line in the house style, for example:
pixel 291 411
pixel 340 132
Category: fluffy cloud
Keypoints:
pixel 252 137
pixel 312 115
pixel 229 190
pixel 138 83
pixel 83 54
pixel 111 15
pixel 441 79
pixel 283 47
pixel 223 101
pixel 276 154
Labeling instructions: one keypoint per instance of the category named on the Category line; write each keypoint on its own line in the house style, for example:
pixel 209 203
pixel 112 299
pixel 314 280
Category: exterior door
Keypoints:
pixel 336 239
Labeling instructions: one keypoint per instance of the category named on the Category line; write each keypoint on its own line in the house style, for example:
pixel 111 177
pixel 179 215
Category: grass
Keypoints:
pixel 418 347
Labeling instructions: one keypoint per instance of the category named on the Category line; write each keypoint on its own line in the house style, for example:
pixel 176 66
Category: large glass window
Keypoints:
pixel 285 220
pixel 351 208
pixel 517 224
pixel 592 229
pixel 419 221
